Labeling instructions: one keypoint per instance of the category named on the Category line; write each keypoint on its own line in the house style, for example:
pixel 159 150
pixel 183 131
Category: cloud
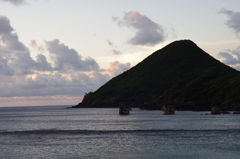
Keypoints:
pixel 39 48
pixel 8 37
pixel 66 59
pixel 51 84
pixel 233 21
pixel 228 58
pixel 64 73
pixel 231 57
pixel 33 43
pixel 15 2
pixel 5 27
pixel 60 72
pixel 116 52
pixel 110 43
pixel 117 68
pixel 15 56
pixel 148 32
pixel 42 64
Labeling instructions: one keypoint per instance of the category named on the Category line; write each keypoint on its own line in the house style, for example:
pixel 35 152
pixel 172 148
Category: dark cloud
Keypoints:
pixel 148 32
pixel 228 58
pixel 116 52
pixel 233 21
pixel 14 2
pixel 117 68
pixel 16 59
pixel 4 68
pixel 68 74
pixel 8 36
pixel 5 27
pixel 66 59
pixel 42 64
pixel 51 84
pixel 231 57
pixel 110 43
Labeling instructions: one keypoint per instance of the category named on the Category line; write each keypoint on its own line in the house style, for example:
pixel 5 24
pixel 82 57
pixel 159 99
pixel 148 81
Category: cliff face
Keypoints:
pixel 180 73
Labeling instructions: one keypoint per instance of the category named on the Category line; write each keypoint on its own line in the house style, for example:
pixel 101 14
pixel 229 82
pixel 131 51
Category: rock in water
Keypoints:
pixel 215 110
pixel 236 113
pixel 168 109
pixel 124 108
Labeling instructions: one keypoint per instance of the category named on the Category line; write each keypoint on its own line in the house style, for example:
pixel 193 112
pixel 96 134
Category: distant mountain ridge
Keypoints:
pixel 180 73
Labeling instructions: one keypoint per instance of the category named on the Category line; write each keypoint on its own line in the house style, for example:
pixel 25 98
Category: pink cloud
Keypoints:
pixel 117 68
pixel 33 43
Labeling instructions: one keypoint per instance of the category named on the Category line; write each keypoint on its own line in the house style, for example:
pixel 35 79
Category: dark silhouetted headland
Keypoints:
pixel 180 74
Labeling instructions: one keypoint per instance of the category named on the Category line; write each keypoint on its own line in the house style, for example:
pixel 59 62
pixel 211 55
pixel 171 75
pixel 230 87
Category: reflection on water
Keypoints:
pixel 55 132
pixel 122 144
pixel 38 118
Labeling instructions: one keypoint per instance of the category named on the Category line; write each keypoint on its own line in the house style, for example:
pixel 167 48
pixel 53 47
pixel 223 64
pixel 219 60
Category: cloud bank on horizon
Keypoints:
pixel 64 73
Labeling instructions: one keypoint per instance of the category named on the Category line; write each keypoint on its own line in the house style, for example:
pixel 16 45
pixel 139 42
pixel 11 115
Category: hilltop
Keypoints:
pixel 181 73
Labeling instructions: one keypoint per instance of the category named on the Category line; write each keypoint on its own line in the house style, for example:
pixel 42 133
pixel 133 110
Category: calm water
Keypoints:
pixel 56 132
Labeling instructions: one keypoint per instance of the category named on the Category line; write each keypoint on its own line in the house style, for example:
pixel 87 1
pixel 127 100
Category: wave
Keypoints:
pixel 56 131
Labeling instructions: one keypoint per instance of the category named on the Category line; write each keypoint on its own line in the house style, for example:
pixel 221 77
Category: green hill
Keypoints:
pixel 181 73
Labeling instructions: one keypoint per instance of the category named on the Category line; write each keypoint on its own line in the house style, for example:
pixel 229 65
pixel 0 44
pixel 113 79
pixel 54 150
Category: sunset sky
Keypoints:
pixel 52 52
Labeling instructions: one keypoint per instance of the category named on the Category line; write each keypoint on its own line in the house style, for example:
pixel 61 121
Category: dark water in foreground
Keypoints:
pixel 55 132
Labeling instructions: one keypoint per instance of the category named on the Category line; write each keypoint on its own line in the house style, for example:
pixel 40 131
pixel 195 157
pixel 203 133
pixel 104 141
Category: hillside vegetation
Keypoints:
pixel 181 73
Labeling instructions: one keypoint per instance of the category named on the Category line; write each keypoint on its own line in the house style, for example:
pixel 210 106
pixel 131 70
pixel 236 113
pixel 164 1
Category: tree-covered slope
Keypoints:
pixel 181 71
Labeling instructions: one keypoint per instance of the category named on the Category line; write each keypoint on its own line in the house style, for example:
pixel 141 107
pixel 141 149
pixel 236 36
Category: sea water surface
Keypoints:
pixel 57 132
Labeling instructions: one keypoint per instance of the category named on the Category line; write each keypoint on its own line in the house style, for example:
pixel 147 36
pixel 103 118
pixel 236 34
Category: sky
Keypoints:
pixel 52 52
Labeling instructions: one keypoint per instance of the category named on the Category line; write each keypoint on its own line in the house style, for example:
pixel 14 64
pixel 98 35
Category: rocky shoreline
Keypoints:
pixel 178 106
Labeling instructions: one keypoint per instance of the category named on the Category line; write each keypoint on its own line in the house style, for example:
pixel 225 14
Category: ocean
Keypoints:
pixel 59 133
